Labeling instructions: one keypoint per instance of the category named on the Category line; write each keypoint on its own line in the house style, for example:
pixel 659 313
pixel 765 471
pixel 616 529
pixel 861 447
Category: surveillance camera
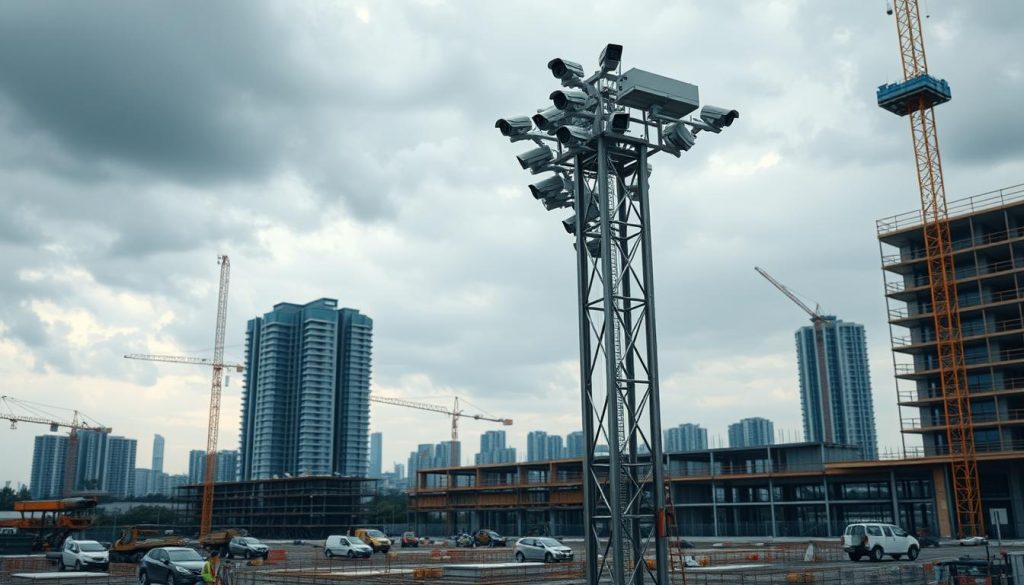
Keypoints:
pixel 569 99
pixel 557 201
pixel 547 187
pixel 565 70
pixel 572 135
pixel 610 57
pixel 569 224
pixel 619 122
pixel 513 127
pixel 535 158
pixel 546 119
pixel 679 137
pixel 718 118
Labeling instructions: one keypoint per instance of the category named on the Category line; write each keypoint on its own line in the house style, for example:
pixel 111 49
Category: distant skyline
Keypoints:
pixel 134 150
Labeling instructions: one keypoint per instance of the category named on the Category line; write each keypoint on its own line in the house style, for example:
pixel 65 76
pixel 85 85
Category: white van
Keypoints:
pixel 877 540
pixel 346 546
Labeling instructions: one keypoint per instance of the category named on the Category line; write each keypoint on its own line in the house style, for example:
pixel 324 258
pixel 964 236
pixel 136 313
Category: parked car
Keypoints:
pixel 409 539
pixel 877 540
pixel 83 555
pixel 346 546
pixel 464 540
pixel 488 538
pixel 171 565
pixel 376 539
pixel 973 541
pixel 247 547
pixel 542 548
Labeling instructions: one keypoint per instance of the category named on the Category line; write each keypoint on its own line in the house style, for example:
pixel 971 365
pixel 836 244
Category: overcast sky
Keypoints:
pixel 347 150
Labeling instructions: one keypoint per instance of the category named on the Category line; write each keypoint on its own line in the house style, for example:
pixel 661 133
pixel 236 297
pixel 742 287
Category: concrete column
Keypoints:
pixel 828 506
pixel 714 493
pixel 894 498
pixel 520 520
pixel 771 506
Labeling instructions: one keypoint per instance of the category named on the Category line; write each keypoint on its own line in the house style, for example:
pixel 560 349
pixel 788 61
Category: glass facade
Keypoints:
pixel 850 405
pixel 306 395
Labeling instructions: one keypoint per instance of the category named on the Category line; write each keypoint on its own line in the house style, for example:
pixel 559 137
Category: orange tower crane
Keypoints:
pixel 12 409
pixel 455 412
pixel 819 322
pixel 206 519
pixel 915 97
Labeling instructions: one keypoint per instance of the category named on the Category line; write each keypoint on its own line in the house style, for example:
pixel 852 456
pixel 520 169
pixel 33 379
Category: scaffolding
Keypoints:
pixel 296 507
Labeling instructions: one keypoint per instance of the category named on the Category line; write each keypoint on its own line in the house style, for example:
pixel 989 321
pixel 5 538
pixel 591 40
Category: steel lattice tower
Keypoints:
pixel 601 170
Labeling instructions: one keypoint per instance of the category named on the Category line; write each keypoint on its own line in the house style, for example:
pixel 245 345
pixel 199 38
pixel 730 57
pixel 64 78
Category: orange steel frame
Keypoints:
pixel 942 278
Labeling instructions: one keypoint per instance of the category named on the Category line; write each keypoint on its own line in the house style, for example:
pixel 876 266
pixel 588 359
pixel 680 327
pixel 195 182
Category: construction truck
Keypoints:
pixel 50 522
pixel 136 541
pixel 219 540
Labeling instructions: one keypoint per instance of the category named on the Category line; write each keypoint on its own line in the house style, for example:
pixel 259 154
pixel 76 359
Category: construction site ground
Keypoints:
pixel 744 563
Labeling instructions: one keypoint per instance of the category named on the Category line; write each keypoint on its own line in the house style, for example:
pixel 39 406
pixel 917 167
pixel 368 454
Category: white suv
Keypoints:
pixel 877 540
pixel 82 555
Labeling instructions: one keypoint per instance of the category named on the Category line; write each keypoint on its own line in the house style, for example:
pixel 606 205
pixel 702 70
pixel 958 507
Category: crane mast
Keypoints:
pixel 819 321
pixel 206 520
pixel 916 97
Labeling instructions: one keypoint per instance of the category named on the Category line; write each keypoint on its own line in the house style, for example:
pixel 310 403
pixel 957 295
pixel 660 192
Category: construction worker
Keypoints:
pixel 211 567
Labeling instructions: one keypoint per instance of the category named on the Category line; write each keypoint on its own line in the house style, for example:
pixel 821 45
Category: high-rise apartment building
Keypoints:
pixel 227 466
pixel 376 454
pixel 536 446
pixel 196 466
pixel 158 454
pixel 48 457
pixel 987 231
pixel 555 447
pixel 92 460
pixel 494 450
pixel 575 446
pixel 305 400
pixel 752 432
pixel 428 456
pixel 850 411
pixel 686 437
pixel 120 472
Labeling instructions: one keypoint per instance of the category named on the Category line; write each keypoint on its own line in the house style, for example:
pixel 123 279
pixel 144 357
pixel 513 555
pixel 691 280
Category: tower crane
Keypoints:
pixel 218 365
pixel 9 410
pixel 916 97
pixel 455 412
pixel 819 321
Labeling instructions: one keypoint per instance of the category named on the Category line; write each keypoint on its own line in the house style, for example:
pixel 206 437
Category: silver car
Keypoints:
pixel 542 548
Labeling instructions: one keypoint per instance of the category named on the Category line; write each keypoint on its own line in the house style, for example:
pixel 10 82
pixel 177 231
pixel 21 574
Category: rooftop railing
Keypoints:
pixel 980 202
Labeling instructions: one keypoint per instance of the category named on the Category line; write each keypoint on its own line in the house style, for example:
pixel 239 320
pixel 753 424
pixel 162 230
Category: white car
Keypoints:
pixel 81 555
pixel 973 541
pixel 346 546
pixel 877 540
pixel 542 548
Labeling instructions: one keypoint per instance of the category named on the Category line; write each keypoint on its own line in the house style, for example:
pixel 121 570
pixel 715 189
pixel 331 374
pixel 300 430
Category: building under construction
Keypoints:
pixel 292 507
pixel 815 489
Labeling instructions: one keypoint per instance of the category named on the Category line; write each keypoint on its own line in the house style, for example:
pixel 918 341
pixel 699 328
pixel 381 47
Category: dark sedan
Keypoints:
pixel 171 565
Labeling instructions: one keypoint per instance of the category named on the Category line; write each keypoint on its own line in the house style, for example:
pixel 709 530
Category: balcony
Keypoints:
pixel 966 332
pixel 1009 386
pixel 987 419
pixel 965 302
pixel 920 283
